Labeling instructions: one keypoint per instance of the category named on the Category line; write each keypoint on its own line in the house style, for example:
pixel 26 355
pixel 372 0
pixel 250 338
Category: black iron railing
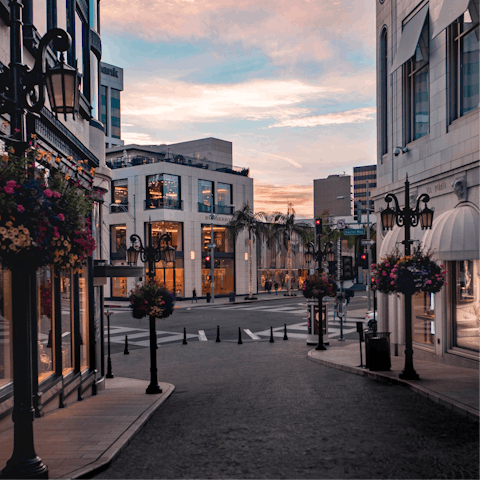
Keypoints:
pixel 164 203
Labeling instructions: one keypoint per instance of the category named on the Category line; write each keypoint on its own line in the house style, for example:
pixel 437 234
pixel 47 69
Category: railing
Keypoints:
pixel 204 208
pixel 118 207
pixel 222 209
pixel 164 203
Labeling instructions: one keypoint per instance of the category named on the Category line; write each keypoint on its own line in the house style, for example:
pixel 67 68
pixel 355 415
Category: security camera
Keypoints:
pixel 397 151
pixel 405 149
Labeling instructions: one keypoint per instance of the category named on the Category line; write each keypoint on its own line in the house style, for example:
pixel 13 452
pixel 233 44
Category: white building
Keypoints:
pixel 428 128
pixel 111 84
pixel 175 186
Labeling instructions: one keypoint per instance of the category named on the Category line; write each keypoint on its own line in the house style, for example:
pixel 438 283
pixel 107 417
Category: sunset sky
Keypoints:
pixel 290 83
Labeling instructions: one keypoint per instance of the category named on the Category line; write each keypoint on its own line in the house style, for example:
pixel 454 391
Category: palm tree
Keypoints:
pixel 253 223
pixel 284 225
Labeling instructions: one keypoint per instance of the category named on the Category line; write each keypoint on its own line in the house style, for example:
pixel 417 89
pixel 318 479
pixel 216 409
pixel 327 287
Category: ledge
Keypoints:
pixel 117 271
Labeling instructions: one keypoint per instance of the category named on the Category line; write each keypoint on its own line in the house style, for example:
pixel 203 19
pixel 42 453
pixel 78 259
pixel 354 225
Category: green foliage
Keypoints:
pixel 151 299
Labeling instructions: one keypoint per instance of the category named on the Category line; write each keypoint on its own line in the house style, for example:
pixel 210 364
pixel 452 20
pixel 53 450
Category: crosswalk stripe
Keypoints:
pixel 250 334
pixel 201 336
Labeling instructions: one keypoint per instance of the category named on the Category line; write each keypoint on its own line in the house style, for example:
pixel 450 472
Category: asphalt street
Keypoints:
pixel 263 410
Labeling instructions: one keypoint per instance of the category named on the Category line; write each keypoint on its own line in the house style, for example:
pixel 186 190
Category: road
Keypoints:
pixel 263 410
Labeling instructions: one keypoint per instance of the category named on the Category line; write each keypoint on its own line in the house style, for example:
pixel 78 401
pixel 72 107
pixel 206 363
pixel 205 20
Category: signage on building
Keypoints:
pixel 354 231
pixel 113 72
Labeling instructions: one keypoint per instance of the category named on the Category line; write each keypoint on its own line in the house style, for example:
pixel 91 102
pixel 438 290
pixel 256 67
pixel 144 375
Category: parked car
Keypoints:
pixel 371 321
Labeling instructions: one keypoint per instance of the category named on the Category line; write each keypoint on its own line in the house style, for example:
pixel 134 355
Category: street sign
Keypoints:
pixel 341 224
pixel 367 242
pixel 354 231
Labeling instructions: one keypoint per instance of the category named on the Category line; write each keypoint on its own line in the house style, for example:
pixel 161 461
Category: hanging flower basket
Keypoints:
pixel 319 286
pixel 384 274
pixel 43 213
pixel 151 299
pixel 419 273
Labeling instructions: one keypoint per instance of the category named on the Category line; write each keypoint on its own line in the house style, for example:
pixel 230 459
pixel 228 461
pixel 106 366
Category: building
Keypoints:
pixel 428 129
pixel 111 84
pixel 360 176
pixel 325 193
pixel 175 187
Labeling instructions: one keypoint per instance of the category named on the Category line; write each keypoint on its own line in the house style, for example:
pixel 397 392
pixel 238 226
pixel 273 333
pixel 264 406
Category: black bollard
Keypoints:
pixel 239 336
pixel 218 334
pixel 184 336
pixel 271 335
pixel 285 332
pixel 126 352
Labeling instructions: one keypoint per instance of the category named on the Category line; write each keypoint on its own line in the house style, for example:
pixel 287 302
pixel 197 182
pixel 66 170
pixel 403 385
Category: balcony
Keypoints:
pixel 163 203
pixel 221 209
pixel 118 207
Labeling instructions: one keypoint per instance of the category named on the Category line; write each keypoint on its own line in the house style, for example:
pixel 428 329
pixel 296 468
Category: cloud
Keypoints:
pixel 271 198
pixel 359 115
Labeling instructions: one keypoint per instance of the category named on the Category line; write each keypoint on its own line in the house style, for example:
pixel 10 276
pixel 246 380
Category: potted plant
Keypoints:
pixel 151 299
pixel 384 274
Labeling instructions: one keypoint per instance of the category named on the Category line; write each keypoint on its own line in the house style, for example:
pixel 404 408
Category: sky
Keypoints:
pixel 291 83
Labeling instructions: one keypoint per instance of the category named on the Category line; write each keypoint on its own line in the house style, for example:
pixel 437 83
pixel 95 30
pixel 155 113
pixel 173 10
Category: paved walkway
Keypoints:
pixel 454 387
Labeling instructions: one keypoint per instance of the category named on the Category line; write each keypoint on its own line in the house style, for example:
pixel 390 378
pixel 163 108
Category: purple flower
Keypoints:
pixel 20 208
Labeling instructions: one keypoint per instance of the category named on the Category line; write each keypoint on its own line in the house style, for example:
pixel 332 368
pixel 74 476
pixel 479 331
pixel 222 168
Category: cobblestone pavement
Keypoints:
pixel 263 410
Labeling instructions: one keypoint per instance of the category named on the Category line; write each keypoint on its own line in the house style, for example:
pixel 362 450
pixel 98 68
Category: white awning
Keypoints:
pixel 455 234
pixel 450 11
pixel 395 236
pixel 409 39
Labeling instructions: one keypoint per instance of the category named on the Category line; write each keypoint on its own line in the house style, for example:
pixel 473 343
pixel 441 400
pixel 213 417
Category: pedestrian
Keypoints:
pixel 195 295
pixel 276 288
pixel 268 286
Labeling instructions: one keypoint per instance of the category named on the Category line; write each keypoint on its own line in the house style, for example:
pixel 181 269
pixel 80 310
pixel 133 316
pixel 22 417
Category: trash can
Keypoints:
pixel 209 296
pixel 377 351
pixel 232 296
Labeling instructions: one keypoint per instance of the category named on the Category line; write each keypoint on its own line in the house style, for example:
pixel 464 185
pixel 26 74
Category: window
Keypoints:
pixel 417 90
pixel 6 365
pixel 45 338
pixel 163 191
pixel 80 42
pixel 423 321
pixel 103 109
pixel 67 322
pixel 40 16
pixel 119 196
pixel 221 238
pixel 83 319
pixel 463 64
pixel 118 242
pixel 224 198
pixel 115 113
pixel 205 196
pixel 383 92
pixel 94 85
pixel 175 229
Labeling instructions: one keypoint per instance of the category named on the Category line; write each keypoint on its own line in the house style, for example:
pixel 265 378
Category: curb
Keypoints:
pixel 107 457
pixel 458 407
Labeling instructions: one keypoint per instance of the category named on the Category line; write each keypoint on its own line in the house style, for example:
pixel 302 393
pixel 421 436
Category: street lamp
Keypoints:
pixel 151 254
pixel 318 256
pixel 21 91
pixel 407 217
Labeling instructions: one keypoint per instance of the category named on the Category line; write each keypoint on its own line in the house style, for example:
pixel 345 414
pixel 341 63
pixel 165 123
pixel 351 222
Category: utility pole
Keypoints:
pixel 212 259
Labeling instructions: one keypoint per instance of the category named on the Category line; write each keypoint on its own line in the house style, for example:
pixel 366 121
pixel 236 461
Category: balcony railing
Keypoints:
pixel 164 203
pixel 221 209
pixel 118 207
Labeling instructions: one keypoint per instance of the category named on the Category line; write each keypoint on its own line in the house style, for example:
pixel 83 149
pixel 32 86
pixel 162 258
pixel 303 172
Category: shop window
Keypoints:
pixel 466 304
pixel 6 365
pixel 172 275
pixel 163 191
pixel 67 322
pixel 119 196
pixel 224 276
pixel 118 242
pixel 463 42
pixel 119 287
pixel 205 196
pixel 46 337
pixel 221 238
pixel 417 114
pixel 175 229
pixel 83 319
pixel 423 318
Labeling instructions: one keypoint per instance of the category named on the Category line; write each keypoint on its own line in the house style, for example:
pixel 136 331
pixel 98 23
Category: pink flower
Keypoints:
pixel 61 217
pixel 384 274
pixel 387 264
pixel 56 194
pixel 429 282
pixel 20 208
pixel 8 189
pixel 392 283
pixel 146 303
pixel 48 193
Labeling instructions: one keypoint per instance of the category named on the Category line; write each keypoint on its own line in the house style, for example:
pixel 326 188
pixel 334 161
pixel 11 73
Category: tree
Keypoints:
pixel 246 219
pixel 284 225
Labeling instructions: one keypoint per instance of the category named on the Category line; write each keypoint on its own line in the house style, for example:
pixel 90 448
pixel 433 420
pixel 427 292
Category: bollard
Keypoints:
pixel 126 352
pixel 271 335
pixel 184 336
pixel 360 333
pixel 240 336
pixel 285 332
pixel 218 334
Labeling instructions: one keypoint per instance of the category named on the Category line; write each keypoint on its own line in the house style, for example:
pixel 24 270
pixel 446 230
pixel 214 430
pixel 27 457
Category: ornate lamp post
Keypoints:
pixel 319 255
pixel 407 217
pixel 21 91
pixel 151 254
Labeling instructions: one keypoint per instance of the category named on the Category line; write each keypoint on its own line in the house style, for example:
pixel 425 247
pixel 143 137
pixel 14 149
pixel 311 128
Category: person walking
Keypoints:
pixel 276 288
pixel 195 295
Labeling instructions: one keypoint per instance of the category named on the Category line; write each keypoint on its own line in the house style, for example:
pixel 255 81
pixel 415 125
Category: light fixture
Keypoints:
pixel 388 218
pixel 168 253
pixel 132 255
pixel 426 218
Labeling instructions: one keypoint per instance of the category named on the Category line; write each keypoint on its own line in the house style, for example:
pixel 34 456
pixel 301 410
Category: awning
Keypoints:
pixel 455 234
pixel 392 240
pixel 450 11
pixel 409 39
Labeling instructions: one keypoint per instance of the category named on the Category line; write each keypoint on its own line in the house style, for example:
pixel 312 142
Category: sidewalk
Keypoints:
pixel 456 388
pixel 86 437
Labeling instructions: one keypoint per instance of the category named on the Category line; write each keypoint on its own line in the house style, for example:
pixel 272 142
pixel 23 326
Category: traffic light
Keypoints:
pixel 318 227
pixel 363 260
pixel 332 268
pixel 347 268
pixel 207 262
pixel 357 211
